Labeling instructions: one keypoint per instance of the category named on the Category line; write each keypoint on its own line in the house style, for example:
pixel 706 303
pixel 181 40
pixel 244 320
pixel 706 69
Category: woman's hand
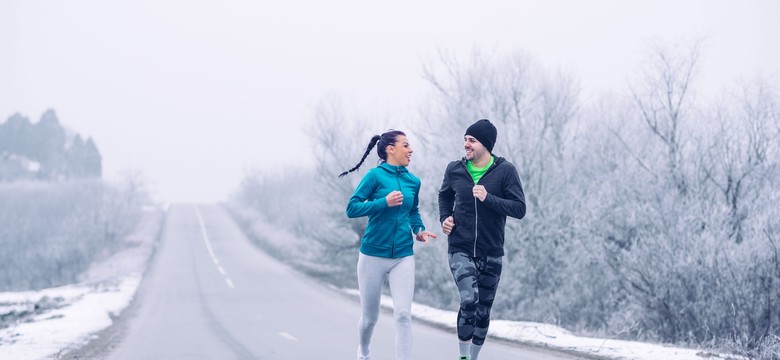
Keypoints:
pixel 395 198
pixel 423 235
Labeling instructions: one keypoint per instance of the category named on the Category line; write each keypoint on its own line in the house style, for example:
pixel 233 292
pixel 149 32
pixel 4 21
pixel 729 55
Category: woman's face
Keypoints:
pixel 400 153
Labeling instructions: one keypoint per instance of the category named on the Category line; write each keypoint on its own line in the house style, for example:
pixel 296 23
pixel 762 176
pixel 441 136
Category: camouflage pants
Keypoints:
pixel 477 281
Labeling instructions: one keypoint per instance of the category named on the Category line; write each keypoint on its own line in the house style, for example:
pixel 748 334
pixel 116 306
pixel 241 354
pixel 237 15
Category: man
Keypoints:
pixel 477 194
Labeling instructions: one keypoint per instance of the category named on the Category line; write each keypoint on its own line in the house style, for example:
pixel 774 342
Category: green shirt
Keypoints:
pixel 476 173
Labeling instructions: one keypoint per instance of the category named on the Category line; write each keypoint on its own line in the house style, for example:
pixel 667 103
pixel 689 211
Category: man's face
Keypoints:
pixel 474 148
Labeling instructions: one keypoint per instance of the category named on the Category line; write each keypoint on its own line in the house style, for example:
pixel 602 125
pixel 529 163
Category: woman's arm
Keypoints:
pixel 415 221
pixel 358 205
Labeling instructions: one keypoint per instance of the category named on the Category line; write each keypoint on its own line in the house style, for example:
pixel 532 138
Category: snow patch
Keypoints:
pixel 87 310
pixel 554 337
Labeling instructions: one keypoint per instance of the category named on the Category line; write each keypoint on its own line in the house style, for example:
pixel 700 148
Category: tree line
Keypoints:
pixel 57 216
pixel 45 151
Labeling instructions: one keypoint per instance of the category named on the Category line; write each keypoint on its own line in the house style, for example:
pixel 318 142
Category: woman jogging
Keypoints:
pixel 388 195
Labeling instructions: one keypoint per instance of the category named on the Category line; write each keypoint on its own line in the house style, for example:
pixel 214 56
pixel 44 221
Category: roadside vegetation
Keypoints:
pixel 652 211
pixel 57 215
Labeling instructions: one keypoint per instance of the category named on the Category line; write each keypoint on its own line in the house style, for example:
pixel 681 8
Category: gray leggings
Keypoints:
pixel 371 271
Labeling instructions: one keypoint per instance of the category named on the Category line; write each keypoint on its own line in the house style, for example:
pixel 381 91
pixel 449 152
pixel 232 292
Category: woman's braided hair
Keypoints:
pixel 381 142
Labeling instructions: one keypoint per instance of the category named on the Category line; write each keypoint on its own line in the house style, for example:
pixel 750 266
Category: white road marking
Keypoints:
pixel 287 336
pixel 211 251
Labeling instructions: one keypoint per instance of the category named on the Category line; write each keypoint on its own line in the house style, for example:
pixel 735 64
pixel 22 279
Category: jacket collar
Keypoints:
pixel 496 160
pixel 393 168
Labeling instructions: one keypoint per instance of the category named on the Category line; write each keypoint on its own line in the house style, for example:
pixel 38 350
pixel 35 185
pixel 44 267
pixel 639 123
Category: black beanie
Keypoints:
pixel 484 132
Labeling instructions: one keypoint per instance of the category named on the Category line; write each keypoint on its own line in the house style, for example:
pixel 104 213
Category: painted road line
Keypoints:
pixel 211 250
pixel 287 336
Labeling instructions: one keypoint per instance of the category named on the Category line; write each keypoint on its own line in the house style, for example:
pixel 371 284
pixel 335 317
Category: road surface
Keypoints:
pixel 210 294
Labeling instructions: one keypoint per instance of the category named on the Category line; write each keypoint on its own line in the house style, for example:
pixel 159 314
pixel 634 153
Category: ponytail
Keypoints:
pixel 371 145
pixel 383 140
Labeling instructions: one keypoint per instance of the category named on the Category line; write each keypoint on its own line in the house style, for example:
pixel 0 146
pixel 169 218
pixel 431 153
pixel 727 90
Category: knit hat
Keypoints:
pixel 484 132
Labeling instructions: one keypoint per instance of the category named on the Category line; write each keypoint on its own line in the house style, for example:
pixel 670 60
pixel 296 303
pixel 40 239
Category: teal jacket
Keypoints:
pixel 390 231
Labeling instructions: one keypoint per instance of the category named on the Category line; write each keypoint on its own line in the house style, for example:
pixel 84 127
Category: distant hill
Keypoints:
pixel 45 151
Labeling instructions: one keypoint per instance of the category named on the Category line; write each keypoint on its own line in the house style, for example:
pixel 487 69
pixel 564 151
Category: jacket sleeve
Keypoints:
pixel 446 197
pixel 513 201
pixel 358 205
pixel 415 221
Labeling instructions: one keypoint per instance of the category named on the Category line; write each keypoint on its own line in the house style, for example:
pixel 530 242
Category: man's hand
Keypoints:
pixel 479 192
pixel 395 198
pixel 447 225
pixel 423 235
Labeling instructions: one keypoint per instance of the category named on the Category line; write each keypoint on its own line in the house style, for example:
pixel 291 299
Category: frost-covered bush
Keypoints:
pixel 50 232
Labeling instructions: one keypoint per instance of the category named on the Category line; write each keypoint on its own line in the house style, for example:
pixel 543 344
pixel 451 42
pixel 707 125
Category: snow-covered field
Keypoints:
pixel 52 321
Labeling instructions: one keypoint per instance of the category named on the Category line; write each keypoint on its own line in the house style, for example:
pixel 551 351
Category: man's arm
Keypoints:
pixel 446 197
pixel 513 202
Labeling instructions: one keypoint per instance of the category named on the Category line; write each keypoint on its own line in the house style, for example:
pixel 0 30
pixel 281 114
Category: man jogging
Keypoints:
pixel 477 194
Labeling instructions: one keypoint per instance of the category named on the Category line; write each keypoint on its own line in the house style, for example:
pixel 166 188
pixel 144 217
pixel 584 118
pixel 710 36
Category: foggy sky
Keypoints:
pixel 195 93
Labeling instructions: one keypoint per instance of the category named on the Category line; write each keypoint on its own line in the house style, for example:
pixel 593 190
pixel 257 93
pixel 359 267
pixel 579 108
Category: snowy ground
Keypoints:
pixel 85 309
pixel 46 323
pixel 553 337
pixel 53 321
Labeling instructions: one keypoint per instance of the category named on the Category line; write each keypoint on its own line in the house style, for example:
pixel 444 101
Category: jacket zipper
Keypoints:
pixel 398 181
pixel 476 229
pixel 476 212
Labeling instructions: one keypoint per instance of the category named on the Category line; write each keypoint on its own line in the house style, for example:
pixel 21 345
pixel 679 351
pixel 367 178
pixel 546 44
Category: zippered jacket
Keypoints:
pixel 390 230
pixel 479 225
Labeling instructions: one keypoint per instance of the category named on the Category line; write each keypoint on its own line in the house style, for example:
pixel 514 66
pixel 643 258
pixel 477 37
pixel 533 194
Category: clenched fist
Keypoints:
pixel 394 198
pixel 447 225
pixel 479 192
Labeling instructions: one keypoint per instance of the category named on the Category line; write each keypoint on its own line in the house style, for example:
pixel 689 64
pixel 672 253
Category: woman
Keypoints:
pixel 388 195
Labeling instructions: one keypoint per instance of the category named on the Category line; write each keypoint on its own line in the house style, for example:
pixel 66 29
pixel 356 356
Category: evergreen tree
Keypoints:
pixel 23 143
pixel 92 160
pixel 49 146
pixel 76 157
pixel 16 136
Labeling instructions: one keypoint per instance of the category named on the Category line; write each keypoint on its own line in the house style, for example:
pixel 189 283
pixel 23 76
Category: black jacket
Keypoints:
pixel 479 225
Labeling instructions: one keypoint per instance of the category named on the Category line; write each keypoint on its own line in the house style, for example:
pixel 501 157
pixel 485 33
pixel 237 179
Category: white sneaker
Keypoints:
pixel 361 357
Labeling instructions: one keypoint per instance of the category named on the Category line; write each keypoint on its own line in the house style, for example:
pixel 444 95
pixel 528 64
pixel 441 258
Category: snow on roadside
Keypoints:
pixel 45 323
pixel 79 311
pixel 87 309
pixel 554 337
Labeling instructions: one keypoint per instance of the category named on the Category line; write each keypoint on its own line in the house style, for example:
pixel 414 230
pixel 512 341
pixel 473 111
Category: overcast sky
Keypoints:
pixel 195 93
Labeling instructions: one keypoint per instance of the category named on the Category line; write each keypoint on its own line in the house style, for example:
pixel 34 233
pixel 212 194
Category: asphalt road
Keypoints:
pixel 210 294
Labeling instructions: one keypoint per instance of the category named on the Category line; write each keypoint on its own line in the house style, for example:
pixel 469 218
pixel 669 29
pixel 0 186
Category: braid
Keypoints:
pixel 371 145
